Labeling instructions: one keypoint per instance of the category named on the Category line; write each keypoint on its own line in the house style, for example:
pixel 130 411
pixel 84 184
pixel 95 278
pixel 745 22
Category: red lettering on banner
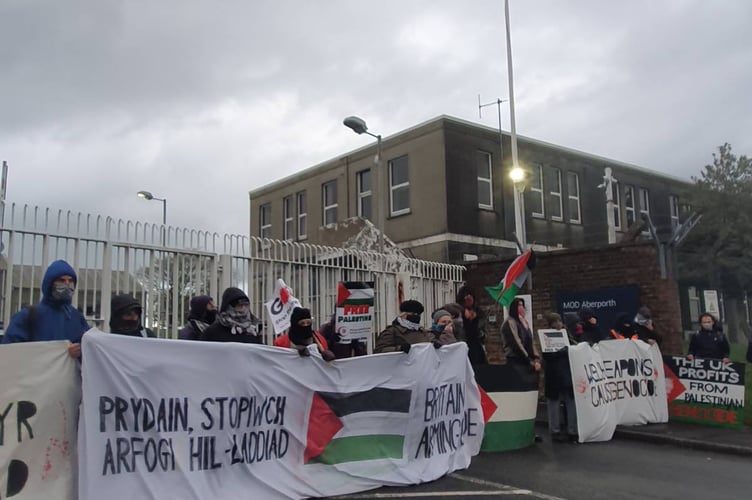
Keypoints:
pixel 359 309
pixel 709 414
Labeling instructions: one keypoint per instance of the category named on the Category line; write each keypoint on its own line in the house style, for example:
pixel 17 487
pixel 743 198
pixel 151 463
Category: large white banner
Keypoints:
pixel 195 420
pixel 39 398
pixel 617 382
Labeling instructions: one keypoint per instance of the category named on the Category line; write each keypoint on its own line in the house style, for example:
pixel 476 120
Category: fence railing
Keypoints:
pixel 114 256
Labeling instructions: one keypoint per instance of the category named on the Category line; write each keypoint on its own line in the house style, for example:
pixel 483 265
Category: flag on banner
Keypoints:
pixel 516 275
pixel 281 305
pixel 331 442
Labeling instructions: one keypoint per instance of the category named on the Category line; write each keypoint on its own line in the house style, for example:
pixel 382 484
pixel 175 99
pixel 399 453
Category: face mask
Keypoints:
pixel 126 325
pixel 239 316
pixel 413 318
pixel 62 293
pixel 210 316
pixel 438 328
pixel 707 326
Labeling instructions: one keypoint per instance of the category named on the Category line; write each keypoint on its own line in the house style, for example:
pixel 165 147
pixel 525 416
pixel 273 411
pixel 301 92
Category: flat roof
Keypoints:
pixel 322 166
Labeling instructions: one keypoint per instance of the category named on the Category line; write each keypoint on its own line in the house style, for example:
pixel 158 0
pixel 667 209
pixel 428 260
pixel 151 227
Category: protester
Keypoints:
pixel 558 388
pixel 235 322
pixel 300 335
pixel 591 331
pixel 203 312
pixel 404 331
pixel 473 325
pixel 54 318
pixel 443 327
pixel 125 317
pixel 341 348
pixel 709 342
pixel 456 311
pixel 645 328
pixel 517 337
pixel 623 327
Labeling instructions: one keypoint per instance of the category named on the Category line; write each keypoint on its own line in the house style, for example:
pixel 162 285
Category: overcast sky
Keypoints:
pixel 202 101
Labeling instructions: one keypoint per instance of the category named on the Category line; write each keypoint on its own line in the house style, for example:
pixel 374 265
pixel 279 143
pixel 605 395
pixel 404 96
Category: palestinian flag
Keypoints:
pixel 513 406
pixel 515 277
pixel 353 293
pixel 334 416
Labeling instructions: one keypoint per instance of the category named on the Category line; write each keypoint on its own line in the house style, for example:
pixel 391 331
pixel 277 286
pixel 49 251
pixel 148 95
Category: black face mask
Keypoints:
pixel 210 316
pixel 413 318
pixel 126 325
pixel 301 335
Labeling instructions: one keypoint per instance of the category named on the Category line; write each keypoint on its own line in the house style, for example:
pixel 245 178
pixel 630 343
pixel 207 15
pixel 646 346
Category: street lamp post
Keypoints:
pixel 146 195
pixel 358 125
pixel 517 175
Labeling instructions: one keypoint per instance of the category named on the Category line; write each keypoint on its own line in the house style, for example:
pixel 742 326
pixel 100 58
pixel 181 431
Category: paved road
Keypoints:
pixel 613 470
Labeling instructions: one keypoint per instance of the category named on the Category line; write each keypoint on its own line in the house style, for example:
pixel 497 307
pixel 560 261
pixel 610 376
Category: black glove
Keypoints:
pixel 405 348
pixel 303 352
pixel 436 344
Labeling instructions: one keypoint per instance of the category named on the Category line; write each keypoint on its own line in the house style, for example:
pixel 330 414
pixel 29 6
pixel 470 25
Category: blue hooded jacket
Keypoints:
pixel 53 320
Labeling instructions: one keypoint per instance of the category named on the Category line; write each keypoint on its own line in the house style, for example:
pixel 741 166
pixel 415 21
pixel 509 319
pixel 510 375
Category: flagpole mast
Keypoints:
pixel 516 173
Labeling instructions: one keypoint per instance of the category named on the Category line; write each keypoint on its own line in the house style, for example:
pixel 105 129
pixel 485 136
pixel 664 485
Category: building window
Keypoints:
pixel 265 221
pixel 556 206
pixel 629 205
pixel 483 162
pixel 645 204
pixel 288 220
pixel 302 215
pixel 329 202
pixel 364 194
pixel 673 202
pixel 617 205
pixel 399 186
pixel 536 192
pixel 573 193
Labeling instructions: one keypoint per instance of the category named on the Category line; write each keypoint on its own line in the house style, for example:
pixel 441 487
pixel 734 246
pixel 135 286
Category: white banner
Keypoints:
pixel 164 419
pixel 617 382
pixel 39 397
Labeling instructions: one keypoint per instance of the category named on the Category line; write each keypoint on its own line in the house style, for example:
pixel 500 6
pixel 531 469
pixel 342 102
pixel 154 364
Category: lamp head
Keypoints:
pixel 358 125
pixel 517 175
pixel 145 195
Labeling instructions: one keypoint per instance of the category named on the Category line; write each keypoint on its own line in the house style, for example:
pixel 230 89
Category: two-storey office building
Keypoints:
pixel 447 193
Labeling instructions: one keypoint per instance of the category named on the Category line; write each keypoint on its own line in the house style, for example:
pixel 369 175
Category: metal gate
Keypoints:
pixel 163 267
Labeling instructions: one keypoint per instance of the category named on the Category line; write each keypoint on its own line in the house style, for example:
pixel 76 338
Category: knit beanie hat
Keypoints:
pixel 437 315
pixel 412 307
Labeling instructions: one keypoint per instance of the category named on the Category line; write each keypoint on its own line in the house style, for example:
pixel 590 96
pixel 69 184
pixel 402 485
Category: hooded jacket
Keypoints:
pixel 50 319
pixel 217 332
pixel 196 318
pixel 120 305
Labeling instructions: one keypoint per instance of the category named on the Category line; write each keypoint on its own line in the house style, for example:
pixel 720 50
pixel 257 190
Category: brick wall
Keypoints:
pixel 580 270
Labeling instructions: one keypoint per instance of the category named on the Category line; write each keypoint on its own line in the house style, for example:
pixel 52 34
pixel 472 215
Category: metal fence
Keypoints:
pixel 163 267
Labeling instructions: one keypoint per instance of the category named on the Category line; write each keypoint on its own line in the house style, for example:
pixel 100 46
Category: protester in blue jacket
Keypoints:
pixel 709 342
pixel 54 318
